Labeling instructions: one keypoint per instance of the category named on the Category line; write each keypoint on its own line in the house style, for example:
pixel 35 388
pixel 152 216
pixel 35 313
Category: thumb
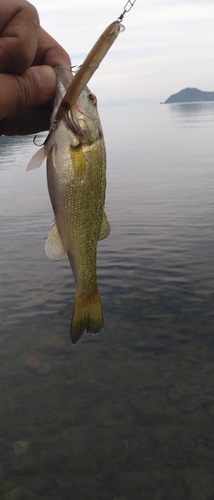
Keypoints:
pixel 29 90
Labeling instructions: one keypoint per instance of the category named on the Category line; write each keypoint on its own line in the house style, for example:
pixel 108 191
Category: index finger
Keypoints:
pixel 50 52
pixel 19 30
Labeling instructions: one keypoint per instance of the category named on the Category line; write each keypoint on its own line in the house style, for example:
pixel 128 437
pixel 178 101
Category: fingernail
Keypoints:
pixel 45 77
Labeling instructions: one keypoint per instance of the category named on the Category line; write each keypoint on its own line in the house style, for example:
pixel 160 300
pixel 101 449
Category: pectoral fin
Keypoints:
pixel 37 159
pixel 105 227
pixel 54 247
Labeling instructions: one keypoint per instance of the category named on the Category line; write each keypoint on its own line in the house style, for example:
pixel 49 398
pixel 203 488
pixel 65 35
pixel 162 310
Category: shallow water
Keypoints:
pixel 128 414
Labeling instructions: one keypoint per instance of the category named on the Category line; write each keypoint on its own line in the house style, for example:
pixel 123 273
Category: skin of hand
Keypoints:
pixel 27 79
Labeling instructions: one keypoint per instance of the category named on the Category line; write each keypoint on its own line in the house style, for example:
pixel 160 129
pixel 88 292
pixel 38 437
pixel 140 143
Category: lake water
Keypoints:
pixel 128 414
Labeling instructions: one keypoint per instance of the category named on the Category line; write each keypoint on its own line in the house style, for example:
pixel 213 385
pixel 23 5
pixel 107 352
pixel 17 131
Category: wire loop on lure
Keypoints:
pixel 127 8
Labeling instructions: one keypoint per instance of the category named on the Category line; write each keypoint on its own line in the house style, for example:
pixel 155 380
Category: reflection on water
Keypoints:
pixel 193 112
pixel 132 410
pixel 193 108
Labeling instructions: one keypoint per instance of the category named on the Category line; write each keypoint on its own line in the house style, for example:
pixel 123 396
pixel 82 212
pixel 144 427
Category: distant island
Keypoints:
pixel 190 95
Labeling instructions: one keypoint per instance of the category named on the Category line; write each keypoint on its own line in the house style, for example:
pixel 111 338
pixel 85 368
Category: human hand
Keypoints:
pixel 27 79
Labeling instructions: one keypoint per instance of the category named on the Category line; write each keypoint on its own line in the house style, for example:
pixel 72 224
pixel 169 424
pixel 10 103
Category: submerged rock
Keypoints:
pixel 200 483
pixel 20 447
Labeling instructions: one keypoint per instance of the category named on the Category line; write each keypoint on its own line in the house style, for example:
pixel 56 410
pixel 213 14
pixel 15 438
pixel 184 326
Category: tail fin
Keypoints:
pixel 87 315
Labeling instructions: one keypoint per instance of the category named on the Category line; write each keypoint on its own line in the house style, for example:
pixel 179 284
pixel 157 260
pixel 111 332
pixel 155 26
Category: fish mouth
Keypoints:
pixel 83 133
pixel 81 119
pixel 75 128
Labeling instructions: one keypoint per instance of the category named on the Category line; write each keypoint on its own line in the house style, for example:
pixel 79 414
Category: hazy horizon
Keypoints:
pixel 165 47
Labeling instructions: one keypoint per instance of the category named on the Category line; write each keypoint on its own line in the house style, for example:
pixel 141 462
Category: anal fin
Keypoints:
pixel 54 247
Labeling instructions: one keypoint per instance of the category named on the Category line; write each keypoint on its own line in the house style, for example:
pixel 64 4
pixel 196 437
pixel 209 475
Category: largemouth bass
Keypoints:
pixel 76 176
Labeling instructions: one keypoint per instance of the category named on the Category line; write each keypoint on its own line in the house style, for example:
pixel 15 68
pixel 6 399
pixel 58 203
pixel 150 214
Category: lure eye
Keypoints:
pixel 92 98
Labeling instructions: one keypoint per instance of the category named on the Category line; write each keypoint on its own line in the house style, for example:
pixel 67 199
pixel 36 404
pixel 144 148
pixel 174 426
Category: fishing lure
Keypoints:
pixel 91 63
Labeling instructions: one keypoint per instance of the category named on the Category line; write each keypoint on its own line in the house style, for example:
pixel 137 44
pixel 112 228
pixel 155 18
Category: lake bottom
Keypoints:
pixel 128 414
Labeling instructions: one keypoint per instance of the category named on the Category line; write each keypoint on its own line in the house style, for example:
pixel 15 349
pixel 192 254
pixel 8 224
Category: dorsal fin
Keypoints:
pixel 105 227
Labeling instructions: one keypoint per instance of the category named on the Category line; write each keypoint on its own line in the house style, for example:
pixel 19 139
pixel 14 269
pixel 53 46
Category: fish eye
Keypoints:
pixel 92 98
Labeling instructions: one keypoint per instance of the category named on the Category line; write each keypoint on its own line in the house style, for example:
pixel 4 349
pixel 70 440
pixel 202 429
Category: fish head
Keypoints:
pixel 82 119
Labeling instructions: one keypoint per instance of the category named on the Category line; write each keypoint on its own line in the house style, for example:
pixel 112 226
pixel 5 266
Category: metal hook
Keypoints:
pixel 38 145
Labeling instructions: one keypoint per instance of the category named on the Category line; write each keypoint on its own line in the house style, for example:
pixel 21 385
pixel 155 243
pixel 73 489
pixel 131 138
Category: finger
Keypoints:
pixel 29 90
pixel 50 52
pixel 19 27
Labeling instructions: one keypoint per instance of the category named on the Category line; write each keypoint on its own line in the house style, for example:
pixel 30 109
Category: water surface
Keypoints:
pixel 132 410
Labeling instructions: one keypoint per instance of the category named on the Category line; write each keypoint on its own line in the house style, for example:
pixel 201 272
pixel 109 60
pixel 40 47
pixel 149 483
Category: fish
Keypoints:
pixel 76 178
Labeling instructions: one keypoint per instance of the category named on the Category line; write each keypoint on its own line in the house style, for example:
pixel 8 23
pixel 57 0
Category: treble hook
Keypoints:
pixel 38 145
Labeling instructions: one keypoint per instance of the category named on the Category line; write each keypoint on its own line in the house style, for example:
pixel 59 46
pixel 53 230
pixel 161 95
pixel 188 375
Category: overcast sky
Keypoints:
pixel 168 45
